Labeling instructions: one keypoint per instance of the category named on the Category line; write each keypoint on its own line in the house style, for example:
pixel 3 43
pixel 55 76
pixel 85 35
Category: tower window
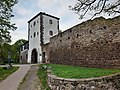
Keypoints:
pixel 37 33
pixel 51 33
pixel 34 23
pixel 34 34
pixel 50 21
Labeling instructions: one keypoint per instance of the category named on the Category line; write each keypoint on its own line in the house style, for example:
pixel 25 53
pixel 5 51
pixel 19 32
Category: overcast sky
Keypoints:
pixel 24 10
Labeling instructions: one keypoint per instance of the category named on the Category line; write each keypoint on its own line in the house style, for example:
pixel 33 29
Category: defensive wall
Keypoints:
pixel 94 43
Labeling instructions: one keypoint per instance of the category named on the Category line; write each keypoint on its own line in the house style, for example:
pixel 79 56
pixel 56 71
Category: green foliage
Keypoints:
pixel 80 72
pixel 4 53
pixel 6 7
pixel 42 75
pixel 5 73
pixel 14 49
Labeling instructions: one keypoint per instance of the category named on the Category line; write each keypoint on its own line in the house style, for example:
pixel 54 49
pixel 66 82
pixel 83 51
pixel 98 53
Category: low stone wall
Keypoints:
pixel 111 82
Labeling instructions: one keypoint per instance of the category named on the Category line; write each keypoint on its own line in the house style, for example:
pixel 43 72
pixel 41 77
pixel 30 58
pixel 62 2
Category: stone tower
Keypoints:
pixel 40 29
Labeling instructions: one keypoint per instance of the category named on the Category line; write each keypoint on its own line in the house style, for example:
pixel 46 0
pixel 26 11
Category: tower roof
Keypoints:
pixel 43 13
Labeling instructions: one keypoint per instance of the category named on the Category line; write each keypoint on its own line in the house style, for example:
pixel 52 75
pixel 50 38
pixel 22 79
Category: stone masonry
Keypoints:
pixel 111 82
pixel 94 43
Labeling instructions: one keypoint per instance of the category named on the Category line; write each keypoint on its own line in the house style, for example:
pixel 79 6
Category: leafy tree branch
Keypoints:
pixel 6 8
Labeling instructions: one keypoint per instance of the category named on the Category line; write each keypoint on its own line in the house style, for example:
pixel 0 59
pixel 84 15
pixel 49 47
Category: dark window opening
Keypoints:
pixel 34 34
pixel 50 21
pixel 68 37
pixel 106 41
pixel 51 33
pixel 77 35
pixel 37 33
pixel 44 54
pixel 31 25
pixel 114 33
pixel 91 31
pixel 104 27
pixel 101 42
pixel 60 40
pixel 34 23
pixel 31 36
pixel 37 21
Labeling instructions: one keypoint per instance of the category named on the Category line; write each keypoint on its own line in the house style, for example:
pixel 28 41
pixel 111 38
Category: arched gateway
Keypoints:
pixel 34 56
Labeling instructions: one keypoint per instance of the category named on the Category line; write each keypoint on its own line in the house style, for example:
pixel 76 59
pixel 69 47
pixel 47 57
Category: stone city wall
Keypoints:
pixel 111 82
pixel 94 43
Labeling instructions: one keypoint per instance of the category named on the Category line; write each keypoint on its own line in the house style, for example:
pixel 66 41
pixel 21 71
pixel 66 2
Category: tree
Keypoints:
pixel 13 49
pixel 96 7
pixel 4 49
pixel 6 7
pixel 16 49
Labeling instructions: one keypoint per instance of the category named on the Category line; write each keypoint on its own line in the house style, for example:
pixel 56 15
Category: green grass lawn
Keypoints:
pixel 65 71
pixel 80 72
pixel 42 75
pixel 5 73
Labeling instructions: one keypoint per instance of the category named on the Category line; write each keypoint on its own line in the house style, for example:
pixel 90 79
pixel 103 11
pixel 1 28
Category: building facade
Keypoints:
pixel 40 29
pixel 24 53
pixel 94 43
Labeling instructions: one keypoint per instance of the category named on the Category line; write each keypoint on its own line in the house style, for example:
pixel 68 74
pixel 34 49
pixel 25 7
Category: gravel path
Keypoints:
pixel 12 81
pixel 31 81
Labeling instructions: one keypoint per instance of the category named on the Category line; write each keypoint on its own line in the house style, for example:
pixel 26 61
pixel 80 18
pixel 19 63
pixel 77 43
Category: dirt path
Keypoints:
pixel 12 81
pixel 31 81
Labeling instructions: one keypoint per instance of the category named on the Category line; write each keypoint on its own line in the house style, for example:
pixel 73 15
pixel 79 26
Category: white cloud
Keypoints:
pixel 22 11
pixel 26 9
pixel 16 35
pixel 44 4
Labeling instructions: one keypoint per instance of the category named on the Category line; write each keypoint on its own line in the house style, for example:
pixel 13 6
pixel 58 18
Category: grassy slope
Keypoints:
pixel 42 75
pixel 72 72
pixel 5 73
pixel 80 72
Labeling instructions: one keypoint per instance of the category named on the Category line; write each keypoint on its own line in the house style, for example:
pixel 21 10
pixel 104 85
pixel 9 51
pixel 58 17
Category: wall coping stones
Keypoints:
pixel 84 79
pixel 110 82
